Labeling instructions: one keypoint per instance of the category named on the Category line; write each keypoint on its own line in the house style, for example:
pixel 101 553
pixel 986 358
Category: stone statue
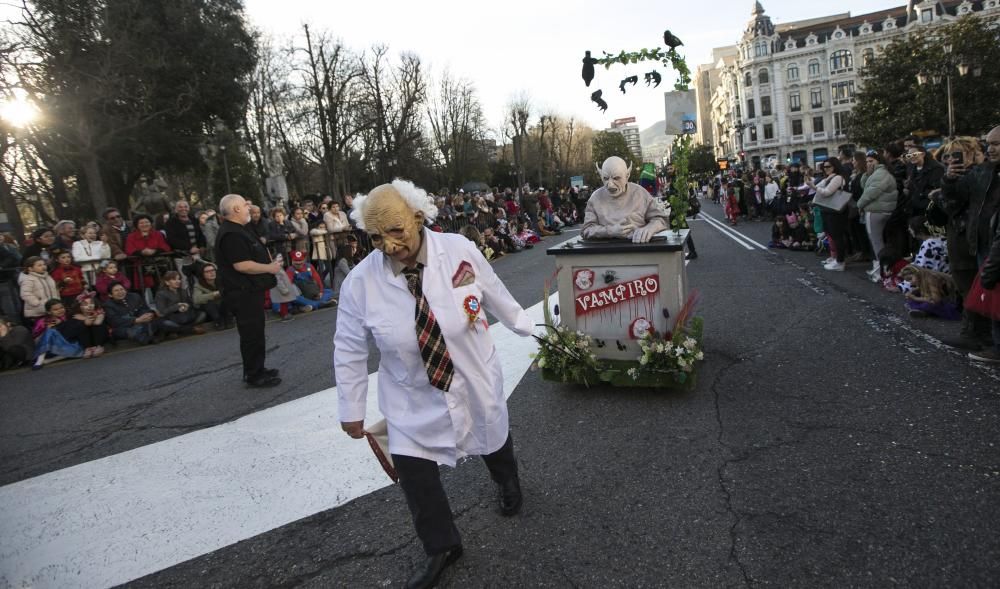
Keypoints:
pixel 152 200
pixel 621 209
pixel 277 187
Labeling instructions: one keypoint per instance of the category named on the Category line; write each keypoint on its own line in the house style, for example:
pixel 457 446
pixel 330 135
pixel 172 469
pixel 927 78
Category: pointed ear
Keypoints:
pixel 629 173
pixel 598 170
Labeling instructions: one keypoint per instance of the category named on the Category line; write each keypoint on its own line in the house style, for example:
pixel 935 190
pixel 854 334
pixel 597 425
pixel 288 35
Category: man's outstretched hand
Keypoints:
pixel 355 429
pixel 644 234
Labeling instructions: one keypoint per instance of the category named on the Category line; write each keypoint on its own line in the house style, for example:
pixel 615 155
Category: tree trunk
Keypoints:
pixel 10 207
pixel 95 182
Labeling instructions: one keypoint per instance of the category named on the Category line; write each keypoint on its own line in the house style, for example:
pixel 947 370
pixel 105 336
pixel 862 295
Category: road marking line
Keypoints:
pixel 723 231
pixel 721 225
pixel 121 517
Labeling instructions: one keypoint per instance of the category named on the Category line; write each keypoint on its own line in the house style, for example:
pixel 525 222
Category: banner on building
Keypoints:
pixel 681 112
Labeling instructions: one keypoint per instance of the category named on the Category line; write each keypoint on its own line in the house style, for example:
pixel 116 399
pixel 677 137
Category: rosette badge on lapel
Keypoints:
pixel 471 307
pixel 465 276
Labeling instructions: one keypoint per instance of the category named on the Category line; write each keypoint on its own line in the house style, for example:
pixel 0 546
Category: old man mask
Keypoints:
pixel 393 216
pixel 614 174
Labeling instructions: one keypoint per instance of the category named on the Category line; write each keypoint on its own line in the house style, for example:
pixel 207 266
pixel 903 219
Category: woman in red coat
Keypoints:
pixel 145 242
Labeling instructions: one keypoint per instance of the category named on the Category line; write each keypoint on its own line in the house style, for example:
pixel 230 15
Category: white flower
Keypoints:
pixel 633 372
pixel 541 362
pixel 679 351
pixel 660 348
pixel 553 339
pixel 690 343
pixel 699 356
pixel 644 360
pixel 581 344
pixel 668 346
pixel 681 363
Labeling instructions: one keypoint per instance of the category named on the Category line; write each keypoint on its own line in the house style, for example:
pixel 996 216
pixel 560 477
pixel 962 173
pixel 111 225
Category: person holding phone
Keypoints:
pixel 971 193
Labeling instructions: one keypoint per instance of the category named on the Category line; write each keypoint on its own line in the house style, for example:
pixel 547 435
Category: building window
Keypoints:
pixel 799 157
pixel 868 56
pixel 763 77
pixel 760 49
pixel 842 92
pixel 816 98
pixel 926 15
pixel 840 122
pixel 765 106
pixel 793 72
pixel 813 68
pixel 768 131
pixel 753 132
pixel 841 60
pixel 749 80
pixel 795 102
pixel 818 125
pixel 796 126
pixel 751 110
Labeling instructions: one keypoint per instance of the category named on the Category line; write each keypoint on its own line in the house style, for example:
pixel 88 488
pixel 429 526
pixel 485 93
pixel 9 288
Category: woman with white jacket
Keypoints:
pixel 37 288
pixel 834 222
pixel 89 252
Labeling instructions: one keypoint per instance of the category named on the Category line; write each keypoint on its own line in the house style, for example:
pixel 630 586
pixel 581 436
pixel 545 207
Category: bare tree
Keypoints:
pixel 518 113
pixel 458 129
pixel 394 97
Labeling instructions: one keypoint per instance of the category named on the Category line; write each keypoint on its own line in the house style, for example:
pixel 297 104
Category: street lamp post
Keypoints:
pixel 225 166
pixel 951 63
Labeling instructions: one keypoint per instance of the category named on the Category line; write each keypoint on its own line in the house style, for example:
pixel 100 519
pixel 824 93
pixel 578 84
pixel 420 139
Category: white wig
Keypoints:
pixel 416 199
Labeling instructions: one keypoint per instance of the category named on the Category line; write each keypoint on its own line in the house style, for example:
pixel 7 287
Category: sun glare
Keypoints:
pixel 18 112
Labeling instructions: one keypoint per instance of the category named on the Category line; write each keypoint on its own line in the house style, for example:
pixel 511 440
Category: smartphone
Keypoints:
pixel 957 157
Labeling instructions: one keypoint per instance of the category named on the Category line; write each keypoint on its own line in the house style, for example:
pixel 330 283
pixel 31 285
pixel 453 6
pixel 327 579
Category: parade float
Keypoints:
pixel 624 315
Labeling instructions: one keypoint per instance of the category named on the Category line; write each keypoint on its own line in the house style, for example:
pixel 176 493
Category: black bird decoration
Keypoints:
pixel 596 98
pixel 629 80
pixel 671 40
pixel 654 77
pixel 588 68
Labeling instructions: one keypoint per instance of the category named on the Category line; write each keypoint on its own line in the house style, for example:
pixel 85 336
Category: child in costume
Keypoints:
pixel 930 293
pixel 68 277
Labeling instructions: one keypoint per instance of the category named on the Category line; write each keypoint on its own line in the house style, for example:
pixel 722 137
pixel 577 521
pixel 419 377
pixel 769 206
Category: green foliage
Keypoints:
pixel 702 160
pixel 668 58
pixel 891 103
pixel 681 184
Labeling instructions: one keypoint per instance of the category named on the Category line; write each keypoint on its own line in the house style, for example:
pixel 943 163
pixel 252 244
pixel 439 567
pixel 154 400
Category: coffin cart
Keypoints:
pixel 616 291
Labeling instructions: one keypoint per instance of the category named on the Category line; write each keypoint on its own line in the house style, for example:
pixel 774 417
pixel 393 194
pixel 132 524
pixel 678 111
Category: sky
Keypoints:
pixel 510 47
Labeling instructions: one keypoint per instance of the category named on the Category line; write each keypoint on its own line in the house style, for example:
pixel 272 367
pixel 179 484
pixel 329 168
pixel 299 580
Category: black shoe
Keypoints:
pixel 510 496
pixel 691 256
pixel 271 372
pixel 263 382
pixel 963 342
pixel 427 575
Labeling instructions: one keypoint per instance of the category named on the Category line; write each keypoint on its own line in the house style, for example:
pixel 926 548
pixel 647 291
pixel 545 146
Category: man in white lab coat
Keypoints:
pixel 423 296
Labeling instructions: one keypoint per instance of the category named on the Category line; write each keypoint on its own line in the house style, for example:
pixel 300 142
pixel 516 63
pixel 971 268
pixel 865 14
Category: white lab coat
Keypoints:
pixel 423 421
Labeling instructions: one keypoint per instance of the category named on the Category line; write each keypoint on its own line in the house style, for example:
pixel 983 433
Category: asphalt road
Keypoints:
pixel 830 441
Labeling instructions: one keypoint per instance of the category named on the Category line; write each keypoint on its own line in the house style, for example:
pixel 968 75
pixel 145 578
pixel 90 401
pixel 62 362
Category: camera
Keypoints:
pixel 957 157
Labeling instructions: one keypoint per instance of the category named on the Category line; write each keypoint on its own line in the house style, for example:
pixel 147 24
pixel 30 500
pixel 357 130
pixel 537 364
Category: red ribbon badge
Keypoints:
pixel 471 306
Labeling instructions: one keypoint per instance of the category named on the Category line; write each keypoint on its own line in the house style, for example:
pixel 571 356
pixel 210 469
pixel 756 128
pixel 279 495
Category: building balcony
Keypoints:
pixel 798 139
pixel 821 136
pixel 749 144
pixel 768 142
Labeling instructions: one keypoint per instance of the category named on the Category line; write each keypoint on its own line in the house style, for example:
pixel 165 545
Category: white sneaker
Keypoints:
pixel 836 266
pixel 829 260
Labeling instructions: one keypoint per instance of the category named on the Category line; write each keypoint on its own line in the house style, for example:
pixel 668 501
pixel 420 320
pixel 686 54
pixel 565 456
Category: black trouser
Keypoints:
pixel 690 244
pixel 248 308
pixel 420 480
pixel 93 335
pixel 835 225
pixel 216 311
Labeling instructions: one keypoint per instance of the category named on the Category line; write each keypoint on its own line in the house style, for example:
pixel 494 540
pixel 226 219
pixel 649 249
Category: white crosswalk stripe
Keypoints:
pixel 119 518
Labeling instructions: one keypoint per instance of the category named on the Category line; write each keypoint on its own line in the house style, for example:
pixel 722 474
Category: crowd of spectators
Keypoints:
pixel 71 289
pixel 925 221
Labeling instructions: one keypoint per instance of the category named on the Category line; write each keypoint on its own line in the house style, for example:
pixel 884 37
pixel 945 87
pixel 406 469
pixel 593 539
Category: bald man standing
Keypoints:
pixel 246 271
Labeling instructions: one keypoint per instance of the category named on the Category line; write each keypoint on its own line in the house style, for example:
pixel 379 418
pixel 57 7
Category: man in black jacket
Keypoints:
pixel 183 231
pixel 246 271
pixel 925 175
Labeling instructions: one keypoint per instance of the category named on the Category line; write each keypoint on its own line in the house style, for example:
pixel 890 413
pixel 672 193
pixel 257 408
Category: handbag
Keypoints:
pixel 835 202
pixel 983 301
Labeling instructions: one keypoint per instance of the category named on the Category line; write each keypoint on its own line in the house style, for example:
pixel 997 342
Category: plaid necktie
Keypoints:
pixel 437 361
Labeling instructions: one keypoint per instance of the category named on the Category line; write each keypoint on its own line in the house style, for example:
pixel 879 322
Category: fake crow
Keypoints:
pixel 654 77
pixel 670 40
pixel 629 80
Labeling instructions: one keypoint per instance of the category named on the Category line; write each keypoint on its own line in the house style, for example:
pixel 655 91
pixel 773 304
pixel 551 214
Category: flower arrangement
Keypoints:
pixel 568 356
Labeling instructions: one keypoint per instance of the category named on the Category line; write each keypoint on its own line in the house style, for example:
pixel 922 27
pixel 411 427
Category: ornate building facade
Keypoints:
pixel 788 92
